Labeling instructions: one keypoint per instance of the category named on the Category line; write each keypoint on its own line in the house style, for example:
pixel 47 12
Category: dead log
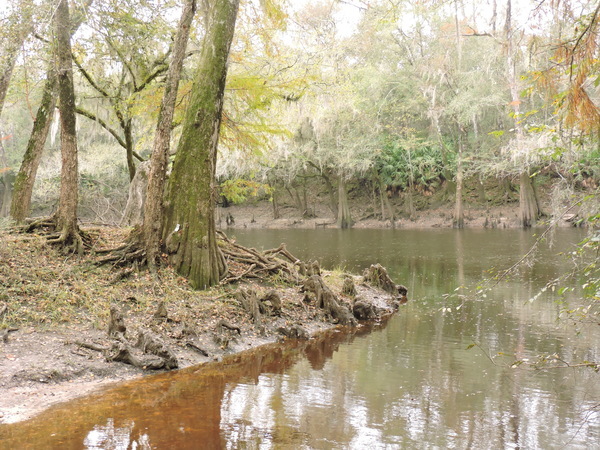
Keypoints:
pixel 116 324
pixel 326 300
pixel 377 275
pixel 149 343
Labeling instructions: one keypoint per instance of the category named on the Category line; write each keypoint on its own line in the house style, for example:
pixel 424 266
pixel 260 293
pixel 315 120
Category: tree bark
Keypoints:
pixel 189 226
pixel 153 206
pixel 344 217
pixel 459 212
pixel 23 187
pixel 66 215
pixel 528 204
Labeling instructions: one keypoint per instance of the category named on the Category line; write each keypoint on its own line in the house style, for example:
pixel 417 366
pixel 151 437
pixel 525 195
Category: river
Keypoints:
pixel 439 374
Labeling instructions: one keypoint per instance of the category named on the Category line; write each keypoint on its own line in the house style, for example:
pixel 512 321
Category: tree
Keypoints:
pixel 189 225
pixel 20 25
pixel 121 61
pixel 65 217
pixel 153 206
pixel 24 181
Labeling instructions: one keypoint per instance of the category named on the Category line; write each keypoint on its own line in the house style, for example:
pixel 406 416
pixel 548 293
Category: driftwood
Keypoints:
pixel 326 299
pixel 377 275
pixel 116 323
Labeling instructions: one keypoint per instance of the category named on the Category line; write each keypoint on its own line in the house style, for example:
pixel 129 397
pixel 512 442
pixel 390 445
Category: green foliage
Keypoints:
pixel 413 162
pixel 239 190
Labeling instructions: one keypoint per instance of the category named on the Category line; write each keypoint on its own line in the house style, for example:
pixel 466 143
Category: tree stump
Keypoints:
pixel 270 304
pixel 348 288
pixel 153 345
pixel 364 310
pixel 161 311
pixel 249 301
pixel 326 300
pixel 116 324
pixel 377 275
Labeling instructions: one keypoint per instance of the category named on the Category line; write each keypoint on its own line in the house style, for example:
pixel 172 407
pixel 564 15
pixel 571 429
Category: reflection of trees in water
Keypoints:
pixel 169 410
pixel 110 437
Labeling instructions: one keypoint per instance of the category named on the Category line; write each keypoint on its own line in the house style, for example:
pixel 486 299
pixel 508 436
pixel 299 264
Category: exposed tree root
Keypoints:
pixel 327 300
pixel 247 263
pixel 70 238
pixel 148 353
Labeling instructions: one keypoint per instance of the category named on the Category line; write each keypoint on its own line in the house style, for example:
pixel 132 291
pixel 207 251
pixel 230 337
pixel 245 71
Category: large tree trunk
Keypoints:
pixel 344 219
pixel 17 33
pixel 66 215
pixel 189 226
pixel 153 206
pixel 527 201
pixel 23 187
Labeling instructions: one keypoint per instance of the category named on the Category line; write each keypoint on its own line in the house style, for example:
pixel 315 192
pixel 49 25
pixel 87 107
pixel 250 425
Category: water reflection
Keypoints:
pixel 413 383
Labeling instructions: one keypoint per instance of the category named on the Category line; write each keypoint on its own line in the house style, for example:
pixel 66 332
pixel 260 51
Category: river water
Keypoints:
pixel 439 374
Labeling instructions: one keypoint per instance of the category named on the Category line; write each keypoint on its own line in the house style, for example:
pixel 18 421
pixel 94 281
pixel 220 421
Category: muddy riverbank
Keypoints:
pixel 55 315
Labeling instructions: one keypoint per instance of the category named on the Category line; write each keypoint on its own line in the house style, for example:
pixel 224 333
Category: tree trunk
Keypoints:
pixel 23 187
pixel 527 201
pixel 344 219
pixel 459 213
pixel 8 178
pixel 385 202
pixel 66 215
pixel 481 191
pixel 153 206
pixel 409 203
pixel 331 194
pixel 189 226
pixel 17 33
pixel 275 202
